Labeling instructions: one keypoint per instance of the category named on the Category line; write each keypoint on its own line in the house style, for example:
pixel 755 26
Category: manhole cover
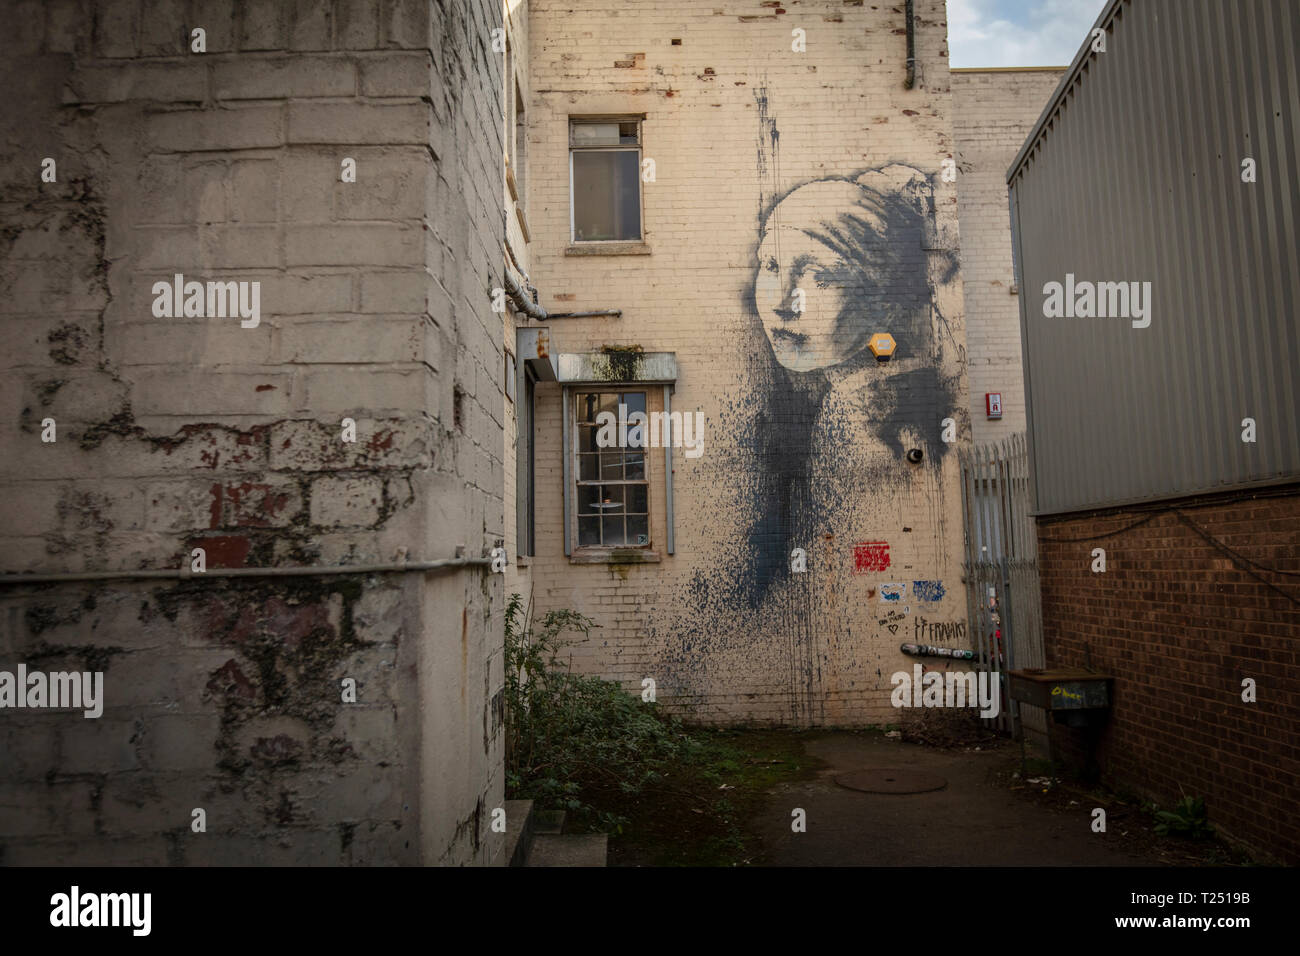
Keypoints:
pixel 892 781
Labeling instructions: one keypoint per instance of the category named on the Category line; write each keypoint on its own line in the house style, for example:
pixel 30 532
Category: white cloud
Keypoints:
pixel 1024 33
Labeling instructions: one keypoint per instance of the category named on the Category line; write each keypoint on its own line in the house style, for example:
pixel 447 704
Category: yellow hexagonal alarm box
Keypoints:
pixel 882 346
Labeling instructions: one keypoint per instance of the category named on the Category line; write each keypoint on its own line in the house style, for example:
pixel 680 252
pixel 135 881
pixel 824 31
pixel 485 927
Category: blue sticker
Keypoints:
pixel 928 590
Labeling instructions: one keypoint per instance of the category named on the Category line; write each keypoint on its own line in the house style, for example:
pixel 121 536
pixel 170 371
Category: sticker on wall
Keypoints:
pixel 870 556
pixel 893 591
pixel 928 590
pixel 930 650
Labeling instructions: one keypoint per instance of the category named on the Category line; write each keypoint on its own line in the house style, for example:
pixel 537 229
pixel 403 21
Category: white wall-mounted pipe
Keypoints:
pixel 184 573
pixel 522 300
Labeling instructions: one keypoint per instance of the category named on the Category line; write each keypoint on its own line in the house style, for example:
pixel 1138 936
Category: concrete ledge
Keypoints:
pixel 616 366
pixel 608 249
pixel 630 555
pixel 519 829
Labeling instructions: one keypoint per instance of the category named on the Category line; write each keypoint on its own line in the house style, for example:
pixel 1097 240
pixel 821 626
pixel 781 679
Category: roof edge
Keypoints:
pixel 1007 69
pixel 1103 20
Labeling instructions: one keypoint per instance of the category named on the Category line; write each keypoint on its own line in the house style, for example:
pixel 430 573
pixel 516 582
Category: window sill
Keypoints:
pixel 614 556
pixel 607 249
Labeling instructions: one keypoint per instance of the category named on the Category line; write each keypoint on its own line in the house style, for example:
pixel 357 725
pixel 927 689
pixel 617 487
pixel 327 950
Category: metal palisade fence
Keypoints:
pixel 1001 566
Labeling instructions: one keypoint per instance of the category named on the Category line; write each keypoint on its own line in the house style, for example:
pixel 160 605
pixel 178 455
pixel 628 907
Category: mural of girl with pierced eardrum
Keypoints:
pixel 838 261
pixel 812 449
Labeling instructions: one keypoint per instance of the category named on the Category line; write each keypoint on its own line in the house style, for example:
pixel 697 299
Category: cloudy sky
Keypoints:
pixel 1018 32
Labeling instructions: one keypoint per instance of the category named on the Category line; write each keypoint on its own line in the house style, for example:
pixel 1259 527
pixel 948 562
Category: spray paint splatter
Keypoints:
pixel 812 428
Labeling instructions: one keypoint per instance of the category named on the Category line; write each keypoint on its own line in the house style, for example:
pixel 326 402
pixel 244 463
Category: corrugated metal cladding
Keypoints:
pixel 1135 174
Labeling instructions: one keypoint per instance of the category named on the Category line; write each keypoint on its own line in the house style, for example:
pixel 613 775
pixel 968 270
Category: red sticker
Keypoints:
pixel 870 556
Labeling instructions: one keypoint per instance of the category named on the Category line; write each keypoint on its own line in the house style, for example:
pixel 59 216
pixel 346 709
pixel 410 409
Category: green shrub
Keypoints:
pixel 575 743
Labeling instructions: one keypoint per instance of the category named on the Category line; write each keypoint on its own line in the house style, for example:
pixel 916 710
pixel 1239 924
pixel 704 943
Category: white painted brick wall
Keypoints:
pixel 993 112
pixel 812 650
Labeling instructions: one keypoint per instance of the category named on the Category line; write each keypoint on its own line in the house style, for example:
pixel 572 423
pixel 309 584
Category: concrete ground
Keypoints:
pixel 974 821
pixel 570 849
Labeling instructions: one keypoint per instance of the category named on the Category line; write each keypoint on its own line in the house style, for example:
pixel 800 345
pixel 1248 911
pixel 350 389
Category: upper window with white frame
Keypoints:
pixel 605 179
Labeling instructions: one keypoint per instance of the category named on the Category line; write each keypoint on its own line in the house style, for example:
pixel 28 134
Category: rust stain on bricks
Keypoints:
pixel 381 441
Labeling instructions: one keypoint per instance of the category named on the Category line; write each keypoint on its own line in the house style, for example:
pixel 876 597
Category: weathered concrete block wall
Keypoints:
pixel 758 149
pixel 192 431
pixel 992 113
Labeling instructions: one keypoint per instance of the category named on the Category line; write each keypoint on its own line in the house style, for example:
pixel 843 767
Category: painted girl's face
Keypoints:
pixel 833 269
pixel 804 296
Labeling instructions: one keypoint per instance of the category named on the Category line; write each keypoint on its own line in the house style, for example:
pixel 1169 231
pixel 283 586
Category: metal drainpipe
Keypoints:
pixel 587 315
pixel 668 468
pixel 524 303
pixel 911 46
pixel 184 573
pixel 521 299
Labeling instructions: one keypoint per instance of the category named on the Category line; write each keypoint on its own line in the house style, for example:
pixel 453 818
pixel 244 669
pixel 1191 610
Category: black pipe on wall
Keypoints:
pixel 911 46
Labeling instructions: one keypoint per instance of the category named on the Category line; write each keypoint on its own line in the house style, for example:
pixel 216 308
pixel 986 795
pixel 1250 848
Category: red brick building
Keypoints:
pixel 1162 403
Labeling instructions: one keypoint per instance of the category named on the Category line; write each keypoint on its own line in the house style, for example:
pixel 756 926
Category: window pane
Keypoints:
pixel 606 195
pixel 595 134
pixel 612 529
pixel 589 499
pixel 635 467
pixel 638 530
pixel 625 133
pixel 634 403
pixel 588 467
pixel 588 531
pixel 611 466
pixel 587 438
pixel 588 405
pixel 611 499
pixel 636 499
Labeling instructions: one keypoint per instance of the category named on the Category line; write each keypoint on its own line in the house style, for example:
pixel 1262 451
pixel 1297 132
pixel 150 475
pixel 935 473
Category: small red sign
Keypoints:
pixel 870 556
